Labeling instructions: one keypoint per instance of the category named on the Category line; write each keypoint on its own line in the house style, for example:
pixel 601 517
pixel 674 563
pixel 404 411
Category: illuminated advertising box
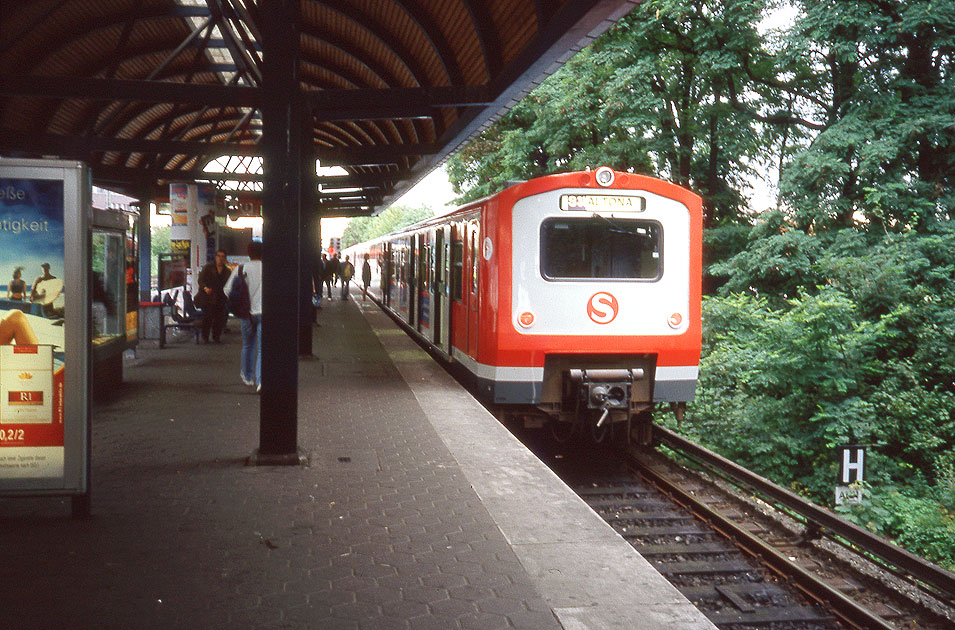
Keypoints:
pixel 44 323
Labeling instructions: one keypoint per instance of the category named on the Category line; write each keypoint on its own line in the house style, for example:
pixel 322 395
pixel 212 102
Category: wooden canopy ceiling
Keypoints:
pixel 149 91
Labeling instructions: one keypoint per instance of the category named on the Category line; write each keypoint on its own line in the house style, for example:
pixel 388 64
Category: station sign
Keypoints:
pixel 44 327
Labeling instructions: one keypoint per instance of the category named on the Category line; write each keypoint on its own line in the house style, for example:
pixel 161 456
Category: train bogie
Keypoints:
pixel 575 294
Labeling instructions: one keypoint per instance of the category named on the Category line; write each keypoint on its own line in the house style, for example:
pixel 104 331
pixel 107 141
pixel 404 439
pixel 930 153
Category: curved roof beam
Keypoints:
pixel 342 48
pixel 487 35
pixel 79 33
pixel 435 36
pixel 380 32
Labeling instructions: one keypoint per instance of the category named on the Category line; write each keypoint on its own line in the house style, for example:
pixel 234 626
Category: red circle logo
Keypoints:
pixel 602 308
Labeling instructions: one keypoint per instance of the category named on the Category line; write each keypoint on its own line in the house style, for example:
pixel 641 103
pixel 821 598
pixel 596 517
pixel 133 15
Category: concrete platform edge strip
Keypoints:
pixel 590 576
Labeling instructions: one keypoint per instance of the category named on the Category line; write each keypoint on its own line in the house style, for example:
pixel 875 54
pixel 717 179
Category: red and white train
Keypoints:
pixel 575 296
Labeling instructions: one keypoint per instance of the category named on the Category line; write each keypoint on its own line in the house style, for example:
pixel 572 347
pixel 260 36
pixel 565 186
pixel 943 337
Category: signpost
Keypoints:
pixel 44 333
pixel 851 471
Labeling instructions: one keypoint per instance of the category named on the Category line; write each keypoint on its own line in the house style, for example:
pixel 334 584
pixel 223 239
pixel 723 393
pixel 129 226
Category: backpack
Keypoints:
pixel 348 270
pixel 240 304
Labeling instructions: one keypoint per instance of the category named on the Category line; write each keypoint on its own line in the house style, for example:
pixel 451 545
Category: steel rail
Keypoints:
pixel 942 582
pixel 841 606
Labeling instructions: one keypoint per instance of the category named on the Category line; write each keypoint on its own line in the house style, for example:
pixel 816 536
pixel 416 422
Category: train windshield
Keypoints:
pixel 601 247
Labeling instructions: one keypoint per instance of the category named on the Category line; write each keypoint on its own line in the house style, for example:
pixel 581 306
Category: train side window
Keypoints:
pixel 601 247
pixel 457 271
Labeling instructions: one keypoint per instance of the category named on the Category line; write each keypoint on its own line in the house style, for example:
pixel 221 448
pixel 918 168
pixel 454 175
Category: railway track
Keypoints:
pixel 738 558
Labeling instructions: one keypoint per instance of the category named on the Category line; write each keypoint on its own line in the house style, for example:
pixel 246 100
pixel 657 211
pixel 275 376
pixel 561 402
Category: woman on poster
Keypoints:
pixel 17 289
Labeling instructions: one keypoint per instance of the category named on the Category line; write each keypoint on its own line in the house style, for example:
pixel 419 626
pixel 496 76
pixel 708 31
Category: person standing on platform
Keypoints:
pixel 365 278
pixel 211 297
pixel 346 271
pixel 251 274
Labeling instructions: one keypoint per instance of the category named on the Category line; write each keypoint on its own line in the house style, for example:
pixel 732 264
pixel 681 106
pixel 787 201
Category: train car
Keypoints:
pixel 573 297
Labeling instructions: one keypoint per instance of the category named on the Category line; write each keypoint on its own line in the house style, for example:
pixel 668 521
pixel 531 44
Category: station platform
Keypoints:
pixel 417 509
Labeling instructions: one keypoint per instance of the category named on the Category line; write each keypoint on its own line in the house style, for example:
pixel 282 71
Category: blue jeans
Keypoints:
pixel 252 349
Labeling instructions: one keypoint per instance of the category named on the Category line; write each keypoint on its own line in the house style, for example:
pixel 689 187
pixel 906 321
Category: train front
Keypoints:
pixel 601 317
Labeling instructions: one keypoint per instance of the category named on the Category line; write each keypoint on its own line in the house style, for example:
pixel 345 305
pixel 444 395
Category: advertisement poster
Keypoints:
pixel 179 203
pixel 32 331
pixel 206 210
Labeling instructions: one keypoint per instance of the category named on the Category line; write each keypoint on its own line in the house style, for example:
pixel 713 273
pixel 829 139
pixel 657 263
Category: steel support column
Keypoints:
pixel 310 249
pixel 145 248
pixel 282 154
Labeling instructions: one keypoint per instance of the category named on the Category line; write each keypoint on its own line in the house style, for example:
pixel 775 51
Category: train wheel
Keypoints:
pixel 641 431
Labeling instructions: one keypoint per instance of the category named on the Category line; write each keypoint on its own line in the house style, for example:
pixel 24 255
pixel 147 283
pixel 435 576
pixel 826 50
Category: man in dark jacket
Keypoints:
pixel 332 273
pixel 211 299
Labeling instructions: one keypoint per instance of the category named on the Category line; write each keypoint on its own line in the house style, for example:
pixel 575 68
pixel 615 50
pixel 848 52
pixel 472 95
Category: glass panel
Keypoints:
pixel 598 247
pixel 457 272
pixel 108 291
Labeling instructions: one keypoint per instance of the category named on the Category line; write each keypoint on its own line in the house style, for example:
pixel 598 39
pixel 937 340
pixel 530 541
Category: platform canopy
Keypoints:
pixel 149 91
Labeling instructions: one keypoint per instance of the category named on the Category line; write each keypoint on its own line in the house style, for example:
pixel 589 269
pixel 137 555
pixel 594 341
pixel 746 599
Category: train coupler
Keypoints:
pixel 605 389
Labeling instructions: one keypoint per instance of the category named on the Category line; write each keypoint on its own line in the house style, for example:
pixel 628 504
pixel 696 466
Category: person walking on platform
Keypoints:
pixel 211 297
pixel 251 276
pixel 346 271
pixel 332 273
pixel 326 277
pixel 365 278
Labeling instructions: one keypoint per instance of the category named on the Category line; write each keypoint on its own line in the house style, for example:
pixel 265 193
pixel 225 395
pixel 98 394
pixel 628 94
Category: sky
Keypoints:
pixel 434 190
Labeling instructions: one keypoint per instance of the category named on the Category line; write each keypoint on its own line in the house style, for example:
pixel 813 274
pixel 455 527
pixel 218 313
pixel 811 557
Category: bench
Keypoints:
pixel 187 317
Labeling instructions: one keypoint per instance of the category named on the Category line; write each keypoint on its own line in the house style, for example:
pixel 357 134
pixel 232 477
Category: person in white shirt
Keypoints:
pixel 251 360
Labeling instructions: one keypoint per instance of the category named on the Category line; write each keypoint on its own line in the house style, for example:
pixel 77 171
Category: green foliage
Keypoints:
pixel 158 245
pixel 817 341
pixel 879 80
pixel 921 524
pixel 363 229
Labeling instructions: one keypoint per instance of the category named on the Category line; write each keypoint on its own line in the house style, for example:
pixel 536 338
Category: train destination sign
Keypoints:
pixel 602 203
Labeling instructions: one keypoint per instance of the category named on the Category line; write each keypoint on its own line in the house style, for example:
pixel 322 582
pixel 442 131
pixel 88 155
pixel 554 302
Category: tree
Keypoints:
pixel 649 96
pixel 394 218
pixel 885 100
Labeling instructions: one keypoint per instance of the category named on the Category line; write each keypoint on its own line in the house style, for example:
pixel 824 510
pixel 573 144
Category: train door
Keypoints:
pixel 437 285
pixel 445 290
pixel 401 277
pixel 384 270
pixel 472 258
pixel 459 312
pixel 424 284
pixel 411 276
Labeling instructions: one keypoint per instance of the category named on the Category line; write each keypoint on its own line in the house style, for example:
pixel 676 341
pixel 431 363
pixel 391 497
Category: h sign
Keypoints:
pixel 852 464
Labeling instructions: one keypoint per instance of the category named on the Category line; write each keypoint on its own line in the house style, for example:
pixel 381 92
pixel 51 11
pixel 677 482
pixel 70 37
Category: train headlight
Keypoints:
pixel 526 319
pixel 675 320
pixel 604 176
